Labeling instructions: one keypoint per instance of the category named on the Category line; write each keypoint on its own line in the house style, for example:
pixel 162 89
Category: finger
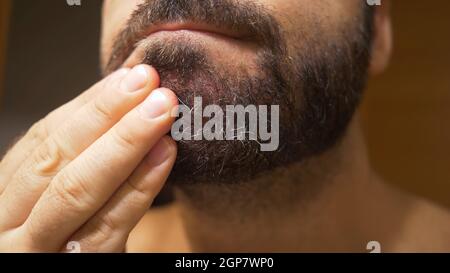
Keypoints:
pixel 84 185
pixel 70 139
pixel 108 230
pixel 41 130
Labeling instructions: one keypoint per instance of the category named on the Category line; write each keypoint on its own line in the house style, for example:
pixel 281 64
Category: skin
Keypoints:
pixel 89 171
pixel 59 183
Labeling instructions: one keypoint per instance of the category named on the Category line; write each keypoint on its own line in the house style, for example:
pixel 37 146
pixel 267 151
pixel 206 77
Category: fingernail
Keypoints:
pixel 156 105
pixel 160 153
pixel 136 79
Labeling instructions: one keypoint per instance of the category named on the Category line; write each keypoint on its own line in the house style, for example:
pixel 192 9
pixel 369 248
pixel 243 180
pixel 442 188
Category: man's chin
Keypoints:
pixel 224 162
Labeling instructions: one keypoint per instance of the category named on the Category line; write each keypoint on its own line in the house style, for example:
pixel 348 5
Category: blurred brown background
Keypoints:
pixel 407 109
pixel 52 50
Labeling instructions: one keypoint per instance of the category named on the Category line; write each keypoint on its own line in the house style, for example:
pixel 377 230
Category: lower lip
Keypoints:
pixel 195 35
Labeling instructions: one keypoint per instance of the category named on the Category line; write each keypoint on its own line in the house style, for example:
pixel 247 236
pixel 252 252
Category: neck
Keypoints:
pixel 315 205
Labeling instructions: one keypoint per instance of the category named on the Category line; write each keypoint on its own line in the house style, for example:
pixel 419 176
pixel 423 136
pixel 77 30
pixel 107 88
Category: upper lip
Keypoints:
pixel 196 26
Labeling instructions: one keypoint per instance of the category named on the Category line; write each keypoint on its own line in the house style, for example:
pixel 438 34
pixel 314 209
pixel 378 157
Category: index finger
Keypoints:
pixel 43 128
pixel 86 184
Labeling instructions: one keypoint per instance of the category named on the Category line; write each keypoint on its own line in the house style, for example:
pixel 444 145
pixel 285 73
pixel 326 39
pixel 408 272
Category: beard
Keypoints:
pixel 317 86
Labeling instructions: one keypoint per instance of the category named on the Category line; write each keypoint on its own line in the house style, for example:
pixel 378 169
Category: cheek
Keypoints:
pixel 331 9
pixel 306 21
pixel 114 17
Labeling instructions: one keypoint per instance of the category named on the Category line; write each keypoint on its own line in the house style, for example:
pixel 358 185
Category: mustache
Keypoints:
pixel 244 17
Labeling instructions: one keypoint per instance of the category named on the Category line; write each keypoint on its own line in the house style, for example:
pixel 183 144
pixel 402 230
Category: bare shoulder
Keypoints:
pixel 426 227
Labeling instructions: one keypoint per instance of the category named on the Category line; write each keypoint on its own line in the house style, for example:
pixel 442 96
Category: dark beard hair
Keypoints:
pixel 318 88
pixel 190 75
pixel 248 18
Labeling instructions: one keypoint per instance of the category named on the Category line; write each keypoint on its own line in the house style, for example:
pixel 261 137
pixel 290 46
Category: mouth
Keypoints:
pixel 216 25
pixel 195 30
pixel 200 28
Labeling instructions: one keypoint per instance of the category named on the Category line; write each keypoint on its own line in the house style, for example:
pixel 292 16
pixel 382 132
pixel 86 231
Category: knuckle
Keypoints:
pixel 47 159
pixel 140 192
pixel 106 227
pixel 123 137
pixel 101 109
pixel 72 192
pixel 99 231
